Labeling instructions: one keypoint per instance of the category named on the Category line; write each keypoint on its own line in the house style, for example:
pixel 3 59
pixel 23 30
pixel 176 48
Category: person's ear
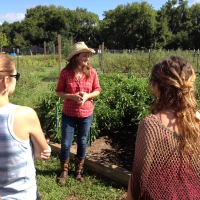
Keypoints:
pixel 6 82
pixel 157 90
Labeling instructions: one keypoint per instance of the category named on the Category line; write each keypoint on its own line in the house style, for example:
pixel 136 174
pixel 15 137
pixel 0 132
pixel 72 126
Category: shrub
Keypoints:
pixel 50 114
pixel 122 102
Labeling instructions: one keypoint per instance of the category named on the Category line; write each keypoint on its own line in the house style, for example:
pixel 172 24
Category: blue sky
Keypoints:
pixel 13 10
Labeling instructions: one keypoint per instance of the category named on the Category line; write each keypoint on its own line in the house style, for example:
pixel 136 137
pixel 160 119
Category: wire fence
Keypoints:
pixel 32 50
pixel 35 50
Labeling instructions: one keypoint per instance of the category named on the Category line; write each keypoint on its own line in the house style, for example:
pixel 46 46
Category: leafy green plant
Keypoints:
pixel 50 114
pixel 122 101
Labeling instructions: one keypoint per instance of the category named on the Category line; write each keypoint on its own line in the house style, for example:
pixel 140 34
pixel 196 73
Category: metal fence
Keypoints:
pixel 33 50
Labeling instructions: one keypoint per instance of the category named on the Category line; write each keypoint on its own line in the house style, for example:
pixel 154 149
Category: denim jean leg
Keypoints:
pixel 68 126
pixel 84 125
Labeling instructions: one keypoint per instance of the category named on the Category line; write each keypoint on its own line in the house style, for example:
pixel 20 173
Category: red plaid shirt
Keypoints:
pixel 69 84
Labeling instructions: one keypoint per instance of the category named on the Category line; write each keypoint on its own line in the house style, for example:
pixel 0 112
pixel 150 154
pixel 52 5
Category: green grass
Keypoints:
pixel 94 187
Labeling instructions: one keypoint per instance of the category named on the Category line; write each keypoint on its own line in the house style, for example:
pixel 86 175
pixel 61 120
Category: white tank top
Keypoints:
pixel 17 170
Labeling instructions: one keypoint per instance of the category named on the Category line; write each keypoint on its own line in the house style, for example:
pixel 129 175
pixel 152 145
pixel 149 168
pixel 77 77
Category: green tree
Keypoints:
pixel 6 29
pixel 18 40
pixel 162 34
pixel 129 26
pixel 3 40
pixel 177 16
pixel 16 35
pixel 195 33
pixel 47 22
pixel 84 26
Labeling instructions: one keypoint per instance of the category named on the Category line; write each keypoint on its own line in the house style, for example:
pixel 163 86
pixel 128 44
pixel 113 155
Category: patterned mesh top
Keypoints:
pixel 160 171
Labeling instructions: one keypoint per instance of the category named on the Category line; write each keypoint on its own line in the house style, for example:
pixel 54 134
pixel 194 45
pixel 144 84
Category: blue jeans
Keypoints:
pixel 68 125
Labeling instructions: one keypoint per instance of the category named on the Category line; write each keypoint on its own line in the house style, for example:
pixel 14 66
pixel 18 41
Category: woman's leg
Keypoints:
pixel 84 125
pixel 68 125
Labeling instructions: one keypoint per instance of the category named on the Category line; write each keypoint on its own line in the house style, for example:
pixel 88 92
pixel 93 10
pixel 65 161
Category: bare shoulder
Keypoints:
pixel 26 122
pixel 25 112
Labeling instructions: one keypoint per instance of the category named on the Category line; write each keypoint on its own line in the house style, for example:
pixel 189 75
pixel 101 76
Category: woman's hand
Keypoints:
pixel 45 154
pixel 78 98
pixel 84 96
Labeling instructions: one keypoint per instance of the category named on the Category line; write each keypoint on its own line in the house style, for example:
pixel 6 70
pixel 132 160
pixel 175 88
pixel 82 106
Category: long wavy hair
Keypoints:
pixel 73 65
pixel 175 79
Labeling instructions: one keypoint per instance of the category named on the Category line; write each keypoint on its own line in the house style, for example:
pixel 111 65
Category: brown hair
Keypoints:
pixel 175 78
pixel 6 65
pixel 73 64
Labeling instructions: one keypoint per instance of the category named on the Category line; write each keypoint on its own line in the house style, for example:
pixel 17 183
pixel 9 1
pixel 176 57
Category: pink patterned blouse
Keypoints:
pixel 69 84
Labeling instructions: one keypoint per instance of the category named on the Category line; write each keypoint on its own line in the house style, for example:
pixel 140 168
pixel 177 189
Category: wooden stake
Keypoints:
pixel 59 53
pixel 44 51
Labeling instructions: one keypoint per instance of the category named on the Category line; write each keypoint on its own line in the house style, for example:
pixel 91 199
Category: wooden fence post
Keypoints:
pixel 71 42
pixel 59 53
pixel 54 51
pixel 44 51
pixel 102 47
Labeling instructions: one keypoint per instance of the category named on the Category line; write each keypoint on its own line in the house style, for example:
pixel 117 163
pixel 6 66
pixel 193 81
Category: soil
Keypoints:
pixel 114 149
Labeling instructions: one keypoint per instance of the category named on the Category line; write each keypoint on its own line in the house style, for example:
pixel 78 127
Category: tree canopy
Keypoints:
pixel 131 26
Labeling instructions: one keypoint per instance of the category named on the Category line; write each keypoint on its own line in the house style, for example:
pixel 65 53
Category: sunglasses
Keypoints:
pixel 17 76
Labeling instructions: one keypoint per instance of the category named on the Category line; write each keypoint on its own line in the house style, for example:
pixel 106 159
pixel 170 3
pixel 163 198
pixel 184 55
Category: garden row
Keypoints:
pixel 124 99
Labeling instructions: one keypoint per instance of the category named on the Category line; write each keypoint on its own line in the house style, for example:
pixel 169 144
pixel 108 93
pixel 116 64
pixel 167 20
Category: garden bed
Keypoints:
pixel 111 158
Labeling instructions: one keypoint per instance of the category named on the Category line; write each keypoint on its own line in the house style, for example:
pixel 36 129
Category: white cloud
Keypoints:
pixel 12 17
pixel 196 1
pixel 193 2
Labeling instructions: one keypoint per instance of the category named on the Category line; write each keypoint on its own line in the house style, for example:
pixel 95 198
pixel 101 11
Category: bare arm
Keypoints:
pixel 27 125
pixel 86 96
pixel 40 146
pixel 45 154
pixel 76 97
pixel 92 94
pixel 64 95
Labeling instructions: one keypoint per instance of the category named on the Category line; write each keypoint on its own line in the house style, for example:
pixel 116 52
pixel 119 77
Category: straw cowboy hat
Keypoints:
pixel 79 47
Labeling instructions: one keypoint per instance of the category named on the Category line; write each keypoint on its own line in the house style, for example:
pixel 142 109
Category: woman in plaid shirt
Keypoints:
pixel 78 84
